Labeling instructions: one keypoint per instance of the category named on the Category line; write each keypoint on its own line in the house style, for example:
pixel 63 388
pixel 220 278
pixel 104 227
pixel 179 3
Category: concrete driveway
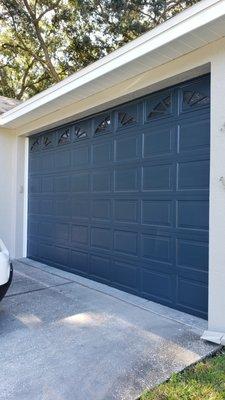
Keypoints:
pixel 64 337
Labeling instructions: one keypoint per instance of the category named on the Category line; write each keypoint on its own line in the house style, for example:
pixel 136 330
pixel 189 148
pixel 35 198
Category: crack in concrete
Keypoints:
pixel 38 290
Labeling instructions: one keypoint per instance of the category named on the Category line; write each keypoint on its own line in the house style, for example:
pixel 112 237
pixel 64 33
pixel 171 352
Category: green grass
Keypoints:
pixel 203 381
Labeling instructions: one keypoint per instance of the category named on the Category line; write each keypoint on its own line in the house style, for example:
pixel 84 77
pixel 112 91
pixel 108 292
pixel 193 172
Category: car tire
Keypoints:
pixel 4 288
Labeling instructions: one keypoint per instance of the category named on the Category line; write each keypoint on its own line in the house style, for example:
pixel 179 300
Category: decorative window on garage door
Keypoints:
pixel 127 116
pixel 158 107
pixel 64 136
pixel 195 95
pixel 102 124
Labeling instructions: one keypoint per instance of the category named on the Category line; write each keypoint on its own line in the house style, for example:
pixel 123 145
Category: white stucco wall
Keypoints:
pixel 12 193
pixel 217 195
pixel 7 176
pixel 13 158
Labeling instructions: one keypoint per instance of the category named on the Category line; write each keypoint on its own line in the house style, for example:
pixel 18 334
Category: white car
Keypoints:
pixel 6 270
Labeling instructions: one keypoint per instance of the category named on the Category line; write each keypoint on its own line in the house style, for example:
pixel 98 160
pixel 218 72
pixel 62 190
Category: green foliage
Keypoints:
pixel 43 41
pixel 204 381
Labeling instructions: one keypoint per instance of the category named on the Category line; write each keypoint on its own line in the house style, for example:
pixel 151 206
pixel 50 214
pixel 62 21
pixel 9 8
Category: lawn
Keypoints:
pixel 203 381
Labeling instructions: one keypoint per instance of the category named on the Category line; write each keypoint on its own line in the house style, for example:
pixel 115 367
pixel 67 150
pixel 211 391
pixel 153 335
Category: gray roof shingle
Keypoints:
pixel 6 104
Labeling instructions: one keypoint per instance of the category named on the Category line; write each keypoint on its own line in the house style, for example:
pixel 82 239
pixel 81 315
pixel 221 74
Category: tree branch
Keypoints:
pixel 40 16
pixel 51 69
pixel 24 79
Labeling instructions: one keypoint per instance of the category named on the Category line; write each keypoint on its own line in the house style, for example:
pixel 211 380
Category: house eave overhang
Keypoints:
pixel 192 29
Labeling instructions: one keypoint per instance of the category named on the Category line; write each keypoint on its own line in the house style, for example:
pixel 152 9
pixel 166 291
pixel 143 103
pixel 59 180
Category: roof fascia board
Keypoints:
pixel 188 21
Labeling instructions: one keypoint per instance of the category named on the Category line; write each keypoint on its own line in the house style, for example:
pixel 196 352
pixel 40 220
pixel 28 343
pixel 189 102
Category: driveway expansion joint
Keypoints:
pixel 38 290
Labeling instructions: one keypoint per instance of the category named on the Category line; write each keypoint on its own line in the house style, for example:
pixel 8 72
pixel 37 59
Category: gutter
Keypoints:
pixel 151 41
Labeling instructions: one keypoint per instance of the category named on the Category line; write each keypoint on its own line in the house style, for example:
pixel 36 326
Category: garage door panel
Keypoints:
pixel 101 152
pixel 157 177
pixel 46 206
pixel 62 207
pixel 126 242
pixel 123 197
pixel 62 159
pixel 192 254
pixel 101 181
pixel 193 275
pixel 46 229
pixel 56 254
pixel 79 261
pixel 101 209
pixel 35 164
pixel 80 207
pixel 32 248
pixel 62 232
pixel 157 212
pixel 80 182
pixel 49 230
pixel 157 285
pixel 47 162
pixel 35 185
pixel 61 184
pixel 126 211
pixel 127 148
pixel 194 136
pixel 46 251
pixel 33 227
pixel 33 206
pixel 193 175
pixel 100 267
pixel 125 275
pixel 47 184
pixel 193 214
pixel 192 296
pixel 158 248
pixel 80 156
pixel 158 141
pixel 80 235
pixel 126 179
pixel 101 238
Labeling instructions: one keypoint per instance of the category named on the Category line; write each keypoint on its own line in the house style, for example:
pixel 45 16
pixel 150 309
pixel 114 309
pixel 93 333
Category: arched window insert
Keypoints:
pixel 162 108
pixel 193 98
pixel 36 144
pixel 80 133
pixel 126 119
pixel 103 126
pixel 47 141
pixel 64 137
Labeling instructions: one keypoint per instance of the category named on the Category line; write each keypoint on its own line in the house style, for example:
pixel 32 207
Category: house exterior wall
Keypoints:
pixel 13 156
pixel 13 193
pixel 7 176
pixel 217 195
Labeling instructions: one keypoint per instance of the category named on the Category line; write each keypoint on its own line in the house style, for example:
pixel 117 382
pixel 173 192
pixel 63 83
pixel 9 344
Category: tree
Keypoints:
pixel 43 41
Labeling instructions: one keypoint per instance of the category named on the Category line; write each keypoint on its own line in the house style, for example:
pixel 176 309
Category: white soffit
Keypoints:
pixel 195 27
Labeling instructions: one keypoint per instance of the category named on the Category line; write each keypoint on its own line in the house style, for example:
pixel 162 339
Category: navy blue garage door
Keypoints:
pixel 122 197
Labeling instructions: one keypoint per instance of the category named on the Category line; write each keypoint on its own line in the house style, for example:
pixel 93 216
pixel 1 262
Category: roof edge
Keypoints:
pixel 98 67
